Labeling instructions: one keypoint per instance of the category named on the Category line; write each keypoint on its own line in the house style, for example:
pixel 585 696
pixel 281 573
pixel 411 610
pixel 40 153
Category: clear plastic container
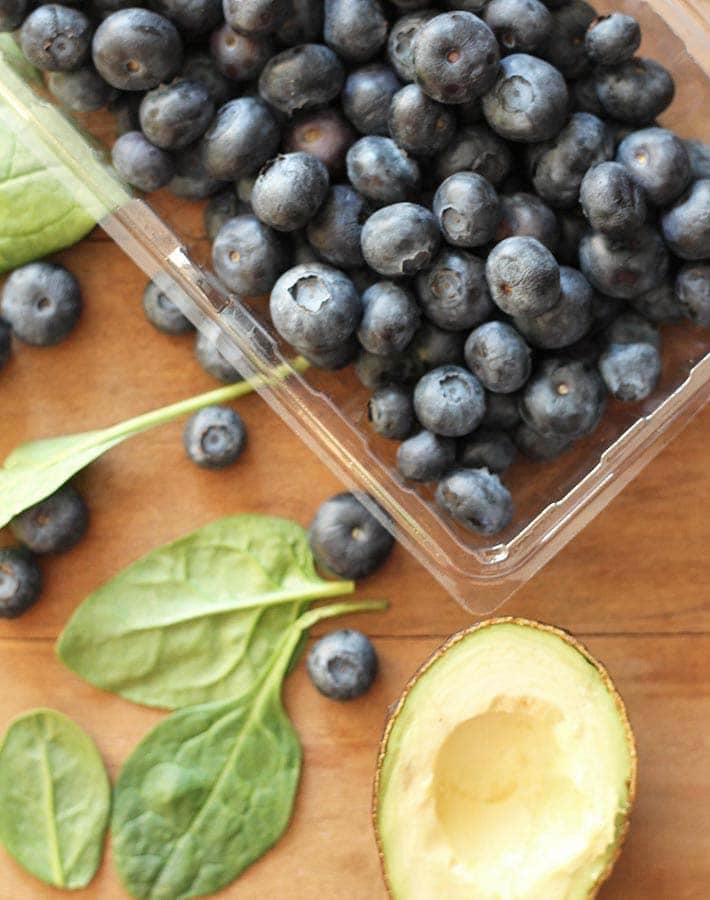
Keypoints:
pixel 553 501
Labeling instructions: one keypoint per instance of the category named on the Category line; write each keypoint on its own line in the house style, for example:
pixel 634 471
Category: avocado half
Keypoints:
pixel 507 770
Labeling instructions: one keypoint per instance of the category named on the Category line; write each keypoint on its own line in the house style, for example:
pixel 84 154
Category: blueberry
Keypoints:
pixel 391 412
pixel 528 101
pixel 418 124
pixel 612 39
pixel 390 318
pixel 558 166
pixel 455 57
pixel 255 16
pixel 487 448
pixel 501 411
pixel 347 539
pixel 660 304
pixel 192 180
pixel 212 361
pixel 521 26
pixel 20 581
pixel 13 13
pixel 5 343
pixel 686 225
pixel 136 49
pixel 375 371
pixel 525 215
pixel 432 346
pixel 248 256
pixel 175 115
pixel 624 268
pixel 214 437
pixel 140 163
pixel 302 251
pixel 453 292
pixel 54 525
pixel 56 38
pixel 381 170
pixel 567 321
pixel 563 398
pixel 449 401
pixel 290 190
pixel 42 303
pixel 400 239
pixel 692 288
pixel 584 95
pixel 200 66
pixel 219 209
pixel 630 371
pixel 162 313
pixel 80 91
pixel 324 134
pixel 367 95
pixel 523 276
pixel 335 357
pixel 657 161
pixel 540 447
pixel 400 44
pixel 500 358
pixel 699 156
pixel 192 17
pixel 301 77
pixel 124 105
pixel 475 148
pixel 303 24
pixel 611 200
pixel 632 328
pixel 239 57
pixel 355 29
pixel 342 665
pixel 243 135
pixel 335 229
pixel 636 91
pixel 564 46
pixel 467 209
pixel 314 306
pixel 425 457
pixel 573 226
pixel 477 499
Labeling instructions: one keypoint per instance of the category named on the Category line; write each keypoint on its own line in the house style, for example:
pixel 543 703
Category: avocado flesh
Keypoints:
pixel 506 773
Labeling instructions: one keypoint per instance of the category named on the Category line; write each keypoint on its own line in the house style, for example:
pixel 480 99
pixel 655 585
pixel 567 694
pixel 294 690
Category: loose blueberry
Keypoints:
pixel 692 288
pixel 248 256
pixel 391 412
pixel 467 209
pixel 449 401
pixel 686 225
pixel 425 457
pixel 624 268
pixel 400 44
pixel 193 17
pixel 613 39
pixel 523 276
pixel 584 95
pixel 632 328
pixel 418 124
pixel 453 292
pixel 324 134
pixel 347 539
pixel 136 49
pixel 290 190
pixel 564 398
pixel 175 115
pixel 525 215
pixel 487 448
pixel 400 239
pixel 334 358
pixel 214 437
pixel 455 57
pixel 54 525
pixel 56 38
pixel 528 101
pixel 242 137
pixel 42 303
pixel 477 499
pixel 212 361
pixel 567 321
pixel 699 156
pixel 220 209
pixel 611 200
pixel 498 356
pixel 381 170
pixel 367 96
pixel 201 66
pixel 355 29
pixel 540 447
pixel 501 411
pixel 335 229
pixel 573 226
pixel 564 46
pixel 239 57
pixel 475 148
pixel 432 346
pixel 375 371
pixel 20 581
pixel 630 371
pixel 315 307
pixel 342 665
pixel 660 304
pixel 521 26
pixel 80 91
pixel 140 163
pixel 192 180
pixel 636 91
pixel 13 13
pixel 255 16
pixel 390 318
pixel 162 313
pixel 657 161
pixel 303 24
pixel 301 78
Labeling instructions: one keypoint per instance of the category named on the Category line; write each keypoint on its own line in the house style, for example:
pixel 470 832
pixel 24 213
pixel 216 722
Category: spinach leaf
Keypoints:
pixel 54 798
pixel 211 788
pixel 37 469
pixel 198 619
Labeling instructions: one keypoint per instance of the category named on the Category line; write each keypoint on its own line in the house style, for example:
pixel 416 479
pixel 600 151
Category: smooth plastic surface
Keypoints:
pixel 328 410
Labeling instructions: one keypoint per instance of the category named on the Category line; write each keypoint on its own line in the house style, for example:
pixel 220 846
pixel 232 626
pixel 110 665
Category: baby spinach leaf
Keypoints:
pixel 198 619
pixel 54 798
pixel 211 788
pixel 37 469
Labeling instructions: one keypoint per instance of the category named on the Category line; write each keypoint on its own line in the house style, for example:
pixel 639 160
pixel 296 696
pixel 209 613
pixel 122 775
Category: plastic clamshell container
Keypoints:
pixel 553 501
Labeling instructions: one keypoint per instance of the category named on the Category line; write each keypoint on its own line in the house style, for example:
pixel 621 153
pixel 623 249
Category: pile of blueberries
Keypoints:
pixel 473 204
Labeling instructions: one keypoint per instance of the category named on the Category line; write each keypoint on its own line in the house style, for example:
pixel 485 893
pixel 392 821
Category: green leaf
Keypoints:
pixel 198 619
pixel 37 469
pixel 54 798
pixel 211 788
